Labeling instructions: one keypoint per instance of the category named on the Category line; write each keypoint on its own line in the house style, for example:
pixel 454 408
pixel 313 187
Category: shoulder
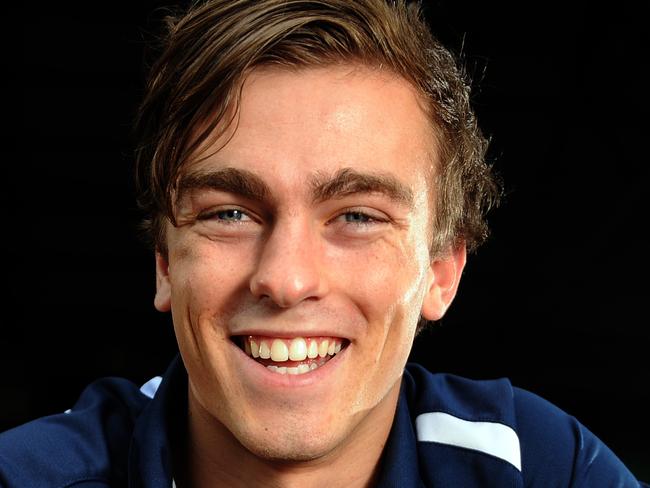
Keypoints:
pixel 555 444
pixel 548 446
pixel 85 446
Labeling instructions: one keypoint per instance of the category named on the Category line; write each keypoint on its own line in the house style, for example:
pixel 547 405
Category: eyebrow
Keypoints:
pixel 344 182
pixel 348 181
pixel 230 180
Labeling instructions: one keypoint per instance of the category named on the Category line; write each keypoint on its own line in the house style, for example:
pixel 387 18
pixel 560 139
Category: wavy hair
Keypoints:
pixel 207 52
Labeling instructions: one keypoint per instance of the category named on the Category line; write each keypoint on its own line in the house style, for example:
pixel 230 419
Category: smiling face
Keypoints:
pixel 313 222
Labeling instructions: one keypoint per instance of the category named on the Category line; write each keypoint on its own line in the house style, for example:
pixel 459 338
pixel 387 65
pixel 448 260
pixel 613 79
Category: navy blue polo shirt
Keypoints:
pixel 448 432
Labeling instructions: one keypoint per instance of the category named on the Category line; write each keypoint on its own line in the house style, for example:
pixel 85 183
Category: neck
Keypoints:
pixel 214 457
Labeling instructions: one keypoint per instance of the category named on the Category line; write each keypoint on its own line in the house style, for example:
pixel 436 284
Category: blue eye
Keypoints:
pixel 228 215
pixel 357 218
pixel 231 215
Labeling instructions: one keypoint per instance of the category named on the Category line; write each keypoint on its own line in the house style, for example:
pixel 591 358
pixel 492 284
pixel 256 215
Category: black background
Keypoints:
pixel 556 300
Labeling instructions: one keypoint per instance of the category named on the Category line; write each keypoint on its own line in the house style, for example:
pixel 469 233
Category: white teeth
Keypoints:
pixel 300 369
pixel 255 349
pixel 322 348
pixel 312 352
pixel 298 349
pixel 279 351
pixel 265 352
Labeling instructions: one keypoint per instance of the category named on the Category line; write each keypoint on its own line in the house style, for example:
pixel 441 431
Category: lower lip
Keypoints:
pixel 265 378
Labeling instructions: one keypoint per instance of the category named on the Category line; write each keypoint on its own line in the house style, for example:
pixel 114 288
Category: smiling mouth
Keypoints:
pixel 296 356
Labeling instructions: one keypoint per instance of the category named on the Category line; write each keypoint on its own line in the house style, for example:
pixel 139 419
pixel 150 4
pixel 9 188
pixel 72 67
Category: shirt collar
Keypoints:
pixel 399 462
pixel 160 426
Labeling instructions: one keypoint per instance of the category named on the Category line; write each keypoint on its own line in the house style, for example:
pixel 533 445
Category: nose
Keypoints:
pixel 289 270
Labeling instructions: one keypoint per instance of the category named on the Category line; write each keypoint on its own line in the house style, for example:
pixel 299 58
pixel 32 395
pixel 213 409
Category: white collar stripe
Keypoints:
pixel 492 438
pixel 150 388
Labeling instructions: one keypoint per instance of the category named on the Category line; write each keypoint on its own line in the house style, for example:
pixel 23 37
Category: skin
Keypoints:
pixel 353 265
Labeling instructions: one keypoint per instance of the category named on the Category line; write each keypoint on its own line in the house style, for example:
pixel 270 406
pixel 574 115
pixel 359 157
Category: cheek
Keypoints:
pixel 206 281
pixel 388 292
pixel 383 281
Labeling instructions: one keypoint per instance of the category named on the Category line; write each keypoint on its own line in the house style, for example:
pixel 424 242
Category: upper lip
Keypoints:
pixel 287 334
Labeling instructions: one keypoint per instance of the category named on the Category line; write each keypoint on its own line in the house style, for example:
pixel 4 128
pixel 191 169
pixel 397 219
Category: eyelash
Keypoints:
pixel 367 219
pixel 212 214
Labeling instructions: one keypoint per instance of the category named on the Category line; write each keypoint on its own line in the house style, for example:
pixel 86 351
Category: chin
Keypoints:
pixel 294 444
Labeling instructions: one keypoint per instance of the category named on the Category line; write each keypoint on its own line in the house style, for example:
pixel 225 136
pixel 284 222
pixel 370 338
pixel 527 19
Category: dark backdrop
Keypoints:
pixel 555 301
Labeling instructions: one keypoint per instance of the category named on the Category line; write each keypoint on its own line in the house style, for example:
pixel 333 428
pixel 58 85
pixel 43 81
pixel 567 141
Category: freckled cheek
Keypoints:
pixel 379 283
pixel 206 282
pixel 383 290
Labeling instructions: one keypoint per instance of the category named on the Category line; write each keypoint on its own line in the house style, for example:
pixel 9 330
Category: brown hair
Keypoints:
pixel 208 51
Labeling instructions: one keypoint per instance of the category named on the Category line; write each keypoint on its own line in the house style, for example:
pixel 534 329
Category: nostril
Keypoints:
pixel 274 302
pixel 287 283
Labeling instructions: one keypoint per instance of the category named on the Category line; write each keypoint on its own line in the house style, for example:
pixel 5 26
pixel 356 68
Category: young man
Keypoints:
pixel 314 177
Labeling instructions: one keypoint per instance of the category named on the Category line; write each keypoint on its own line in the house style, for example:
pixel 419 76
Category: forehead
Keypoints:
pixel 317 121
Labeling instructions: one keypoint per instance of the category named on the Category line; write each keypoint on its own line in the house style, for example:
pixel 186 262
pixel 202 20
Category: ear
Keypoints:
pixel 163 299
pixel 443 278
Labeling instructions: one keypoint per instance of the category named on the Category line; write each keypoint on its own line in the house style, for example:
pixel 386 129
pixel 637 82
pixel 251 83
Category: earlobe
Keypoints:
pixel 444 276
pixel 163 299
